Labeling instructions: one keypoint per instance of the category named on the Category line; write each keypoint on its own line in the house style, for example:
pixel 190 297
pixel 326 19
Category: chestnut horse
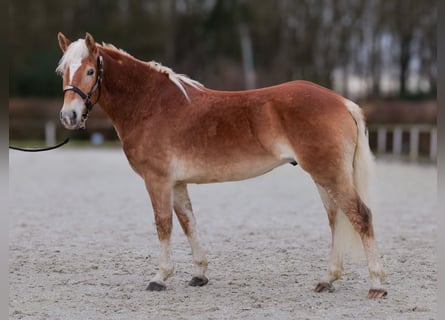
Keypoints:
pixel 174 131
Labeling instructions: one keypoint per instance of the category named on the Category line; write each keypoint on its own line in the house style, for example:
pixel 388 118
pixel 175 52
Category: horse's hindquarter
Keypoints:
pixel 320 128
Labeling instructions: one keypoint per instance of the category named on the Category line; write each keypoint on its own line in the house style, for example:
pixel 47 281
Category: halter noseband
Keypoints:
pixel 97 86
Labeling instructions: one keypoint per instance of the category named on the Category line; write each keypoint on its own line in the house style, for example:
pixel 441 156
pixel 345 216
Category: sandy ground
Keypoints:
pixel 83 245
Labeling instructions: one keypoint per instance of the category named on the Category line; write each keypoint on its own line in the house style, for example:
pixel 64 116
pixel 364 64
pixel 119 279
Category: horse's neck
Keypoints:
pixel 128 89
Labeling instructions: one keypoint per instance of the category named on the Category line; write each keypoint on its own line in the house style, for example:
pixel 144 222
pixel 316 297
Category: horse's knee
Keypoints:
pixel 164 225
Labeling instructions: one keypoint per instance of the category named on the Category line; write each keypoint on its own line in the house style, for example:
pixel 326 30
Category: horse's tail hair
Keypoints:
pixel 363 169
pixel 363 158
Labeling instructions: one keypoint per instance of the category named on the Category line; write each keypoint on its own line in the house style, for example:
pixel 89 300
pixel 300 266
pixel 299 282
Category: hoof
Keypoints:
pixel 377 293
pixel 323 287
pixel 154 286
pixel 198 281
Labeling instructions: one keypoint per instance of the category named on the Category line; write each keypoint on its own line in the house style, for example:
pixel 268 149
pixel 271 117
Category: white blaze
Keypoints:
pixel 73 68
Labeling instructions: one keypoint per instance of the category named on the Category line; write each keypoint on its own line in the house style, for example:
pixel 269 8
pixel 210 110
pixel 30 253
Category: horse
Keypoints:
pixel 174 131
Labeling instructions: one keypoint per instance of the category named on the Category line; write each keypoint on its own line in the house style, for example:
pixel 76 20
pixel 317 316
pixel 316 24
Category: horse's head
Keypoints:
pixel 81 70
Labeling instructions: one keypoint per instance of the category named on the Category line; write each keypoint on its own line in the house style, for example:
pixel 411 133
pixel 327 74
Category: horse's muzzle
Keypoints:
pixel 70 119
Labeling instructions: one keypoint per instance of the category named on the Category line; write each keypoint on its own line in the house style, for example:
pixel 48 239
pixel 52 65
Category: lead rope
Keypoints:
pixel 67 139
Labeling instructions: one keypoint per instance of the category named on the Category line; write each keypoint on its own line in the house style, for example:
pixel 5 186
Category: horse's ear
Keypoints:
pixel 64 42
pixel 91 44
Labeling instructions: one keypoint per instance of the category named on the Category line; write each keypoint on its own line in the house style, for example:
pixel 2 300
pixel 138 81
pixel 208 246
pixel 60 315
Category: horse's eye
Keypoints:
pixel 90 72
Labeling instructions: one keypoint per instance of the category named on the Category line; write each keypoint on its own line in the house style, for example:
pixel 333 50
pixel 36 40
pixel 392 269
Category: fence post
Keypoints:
pixel 397 141
pixel 433 143
pixel 413 143
pixel 50 133
pixel 381 140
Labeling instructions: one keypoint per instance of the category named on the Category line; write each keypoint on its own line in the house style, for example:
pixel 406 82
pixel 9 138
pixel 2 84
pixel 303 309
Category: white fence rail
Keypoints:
pixel 400 147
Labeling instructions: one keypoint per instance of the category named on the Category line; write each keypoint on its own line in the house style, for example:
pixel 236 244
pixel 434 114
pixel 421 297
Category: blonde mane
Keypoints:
pixel 177 79
pixel 77 51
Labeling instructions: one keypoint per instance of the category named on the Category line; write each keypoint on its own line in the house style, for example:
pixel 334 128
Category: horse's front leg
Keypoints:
pixel 160 192
pixel 184 211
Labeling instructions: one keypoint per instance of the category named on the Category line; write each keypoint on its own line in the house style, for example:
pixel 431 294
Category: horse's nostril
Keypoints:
pixel 74 114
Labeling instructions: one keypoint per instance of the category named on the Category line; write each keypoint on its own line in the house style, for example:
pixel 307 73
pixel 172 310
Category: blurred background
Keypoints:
pixel 380 53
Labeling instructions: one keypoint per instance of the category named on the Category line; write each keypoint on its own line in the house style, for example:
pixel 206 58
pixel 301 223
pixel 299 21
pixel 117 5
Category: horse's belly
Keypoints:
pixel 199 172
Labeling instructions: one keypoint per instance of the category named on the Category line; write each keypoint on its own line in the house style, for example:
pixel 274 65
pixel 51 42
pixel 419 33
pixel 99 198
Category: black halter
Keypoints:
pixel 86 99
pixel 96 86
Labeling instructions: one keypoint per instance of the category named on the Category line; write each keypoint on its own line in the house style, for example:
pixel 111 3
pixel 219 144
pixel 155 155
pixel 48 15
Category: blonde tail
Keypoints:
pixel 363 168
pixel 363 158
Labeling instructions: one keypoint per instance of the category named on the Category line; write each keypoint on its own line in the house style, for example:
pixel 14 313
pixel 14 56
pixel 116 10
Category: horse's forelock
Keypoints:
pixel 75 53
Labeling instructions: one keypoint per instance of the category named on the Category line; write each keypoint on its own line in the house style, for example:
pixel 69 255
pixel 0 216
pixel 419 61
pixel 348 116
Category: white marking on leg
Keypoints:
pixel 184 207
pixel 198 253
pixel 374 265
pixel 335 265
pixel 166 266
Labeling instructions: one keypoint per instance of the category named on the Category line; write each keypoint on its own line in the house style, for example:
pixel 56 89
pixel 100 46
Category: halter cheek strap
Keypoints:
pixel 86 97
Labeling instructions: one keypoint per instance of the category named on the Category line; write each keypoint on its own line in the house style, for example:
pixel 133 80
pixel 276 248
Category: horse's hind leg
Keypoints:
pixel 347 199
pixel 335 266
pixel 184 212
